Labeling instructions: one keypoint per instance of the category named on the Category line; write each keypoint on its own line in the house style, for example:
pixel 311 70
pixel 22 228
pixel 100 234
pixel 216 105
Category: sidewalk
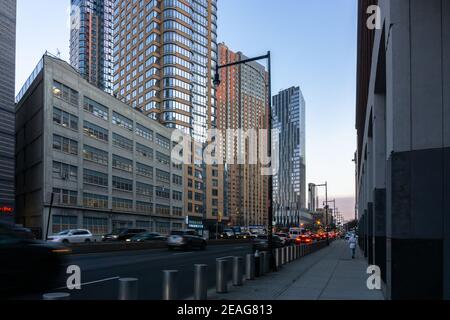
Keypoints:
pixel 329 274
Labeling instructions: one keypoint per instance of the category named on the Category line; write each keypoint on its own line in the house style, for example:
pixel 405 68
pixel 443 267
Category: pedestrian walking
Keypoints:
pixel 352 245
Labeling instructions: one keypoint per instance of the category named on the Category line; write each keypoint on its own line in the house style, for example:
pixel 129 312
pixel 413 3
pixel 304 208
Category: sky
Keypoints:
pixel 313 45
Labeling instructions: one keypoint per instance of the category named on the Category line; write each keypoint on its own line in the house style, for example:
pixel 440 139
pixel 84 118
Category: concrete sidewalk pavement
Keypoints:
pixel 329 274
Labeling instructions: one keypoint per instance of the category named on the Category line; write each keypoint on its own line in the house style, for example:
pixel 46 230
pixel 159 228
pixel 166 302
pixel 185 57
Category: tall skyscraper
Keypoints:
pixel 91 41
pixel 242 101
pixel 7 82
pixel 164 58
pixel 289 184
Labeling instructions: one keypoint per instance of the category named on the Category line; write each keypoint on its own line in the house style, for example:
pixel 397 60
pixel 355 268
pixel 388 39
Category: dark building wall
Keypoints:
pixel 7 83
pixel 403 145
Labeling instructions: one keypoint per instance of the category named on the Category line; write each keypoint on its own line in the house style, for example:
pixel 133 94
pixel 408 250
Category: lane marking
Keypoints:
pixel 92 282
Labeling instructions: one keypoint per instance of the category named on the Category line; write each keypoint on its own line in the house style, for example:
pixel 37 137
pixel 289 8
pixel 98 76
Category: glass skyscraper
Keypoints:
pixel 91 41
pixel 165 52
pixel 289 184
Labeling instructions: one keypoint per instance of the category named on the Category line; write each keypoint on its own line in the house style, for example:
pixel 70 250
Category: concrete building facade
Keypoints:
pixel 107 165
pixel 289 184
pixel 91 41
pixel 403 116
pixel 242 104
pixel 7 83
pixel 164 57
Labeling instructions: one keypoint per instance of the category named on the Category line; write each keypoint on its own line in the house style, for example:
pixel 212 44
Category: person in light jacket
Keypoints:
pixel 352 245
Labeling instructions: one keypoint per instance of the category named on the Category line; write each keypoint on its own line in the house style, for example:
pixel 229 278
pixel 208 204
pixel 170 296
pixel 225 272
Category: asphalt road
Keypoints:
pixel 100 271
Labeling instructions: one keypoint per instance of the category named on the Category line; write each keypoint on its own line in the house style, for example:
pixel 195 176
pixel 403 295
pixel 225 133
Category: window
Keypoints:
pixel 95 155
pixel 96 109
pixel 144 132
pixel 95 178
pixel 122 142
pixel 61 223
pixel 178 180
pixel 143 224
pixel 162 193
pixel 67 197
pixel 96 201
pixel 65 145
pixel 162 210
pixel 65 93
pixel 65 119
pixel 144 189
pixel 122 184
pixel 97 226
pixel 144 207
pixel 122 163
pixel 177 212
pixel 144 151
pixel 215 192
pixel 162 158
pixel 122 204
pixel 177 196
pixel 122 121
pixel 144 170
pixel 162 141
pixel 95 132
pixel 162 176
pixel 65 171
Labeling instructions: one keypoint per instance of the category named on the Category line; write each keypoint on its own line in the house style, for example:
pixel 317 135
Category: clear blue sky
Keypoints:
pixel 313 43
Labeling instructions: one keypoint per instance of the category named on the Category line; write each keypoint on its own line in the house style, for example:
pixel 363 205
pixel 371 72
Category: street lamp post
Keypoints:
pixel 216 82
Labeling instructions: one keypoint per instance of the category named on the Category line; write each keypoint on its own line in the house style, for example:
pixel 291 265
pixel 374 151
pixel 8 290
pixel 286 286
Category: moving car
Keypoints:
pixel 246 235
pixel 186 240
pixel 303 239
pixel 284 238
pixel 28 266
pixel 294 233
pixel 72 236
pixel 122 234
pixel 260 243
pixel 147 237
pixel 227 234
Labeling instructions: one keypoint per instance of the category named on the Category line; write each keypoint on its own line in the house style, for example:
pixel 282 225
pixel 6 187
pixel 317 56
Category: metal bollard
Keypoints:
pixel 284 255
pixel 201 282
pixel 290 254
pixel 221 276
pixel 128 289
pixel 277 257
pixel 250 267
pixel 170 289
pixel 267 262
pixel 295 252
pixel 238 268
pixel 56 296
pixel 262 263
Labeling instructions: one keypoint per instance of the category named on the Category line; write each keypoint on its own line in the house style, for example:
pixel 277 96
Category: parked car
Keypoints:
pixel 284 238
pixel 260 243
pixel 147 237
pixel 122 234
pixel 186 240
pixel 72 236
pixel 28 266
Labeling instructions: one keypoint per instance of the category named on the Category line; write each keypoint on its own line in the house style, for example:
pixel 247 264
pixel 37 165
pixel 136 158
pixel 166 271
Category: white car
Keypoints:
pixel 72 236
